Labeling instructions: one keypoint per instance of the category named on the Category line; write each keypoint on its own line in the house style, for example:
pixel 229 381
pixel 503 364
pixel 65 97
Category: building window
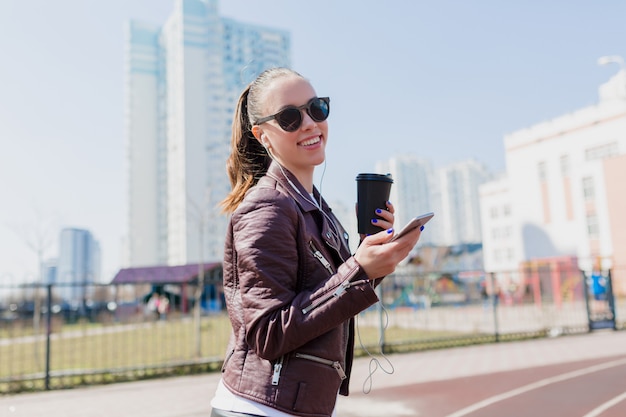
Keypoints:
pixel 593 229
pixel 510 255
pixel 601 152
pixel 545 192
pixel 493 213
pixel 588 189
pixel 541 170
pixel 565 165
pixel 506 210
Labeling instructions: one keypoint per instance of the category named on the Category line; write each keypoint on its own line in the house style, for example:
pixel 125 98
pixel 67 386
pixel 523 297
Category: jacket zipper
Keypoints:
pixel 334 364
pixel 320 257
pixel 278 366
pixel 340 290
pixel 318 254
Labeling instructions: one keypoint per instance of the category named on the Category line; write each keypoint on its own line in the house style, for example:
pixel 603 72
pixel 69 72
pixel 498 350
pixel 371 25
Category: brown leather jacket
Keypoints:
pixel 291 299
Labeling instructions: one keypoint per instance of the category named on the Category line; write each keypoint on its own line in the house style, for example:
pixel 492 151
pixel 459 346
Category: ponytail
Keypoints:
pixel 248 160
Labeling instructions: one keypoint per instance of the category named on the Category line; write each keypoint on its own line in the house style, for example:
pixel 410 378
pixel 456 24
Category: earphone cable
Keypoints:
pixel 375 363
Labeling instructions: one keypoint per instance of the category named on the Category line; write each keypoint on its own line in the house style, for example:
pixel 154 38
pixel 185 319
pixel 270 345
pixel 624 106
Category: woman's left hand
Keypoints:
pixel 383 218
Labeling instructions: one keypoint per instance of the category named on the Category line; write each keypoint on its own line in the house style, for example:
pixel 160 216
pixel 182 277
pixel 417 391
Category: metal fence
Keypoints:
pixel 113 333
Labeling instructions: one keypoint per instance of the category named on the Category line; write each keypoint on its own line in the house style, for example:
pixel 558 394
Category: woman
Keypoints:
pixel 291 286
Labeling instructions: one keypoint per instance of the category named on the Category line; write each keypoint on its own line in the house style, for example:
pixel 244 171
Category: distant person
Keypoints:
pixel 291 286
pixel 484 295
pixel 163 307
pixel 152 306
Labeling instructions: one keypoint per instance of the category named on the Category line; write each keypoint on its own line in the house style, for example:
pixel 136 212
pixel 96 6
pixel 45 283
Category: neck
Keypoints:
pixel 307 182
pixel 303 175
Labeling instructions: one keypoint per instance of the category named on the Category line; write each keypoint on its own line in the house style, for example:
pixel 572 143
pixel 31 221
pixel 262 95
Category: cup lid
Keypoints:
pixel 374 177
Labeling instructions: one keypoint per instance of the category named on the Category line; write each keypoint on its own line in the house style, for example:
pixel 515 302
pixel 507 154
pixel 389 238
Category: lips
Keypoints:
pixel 311 141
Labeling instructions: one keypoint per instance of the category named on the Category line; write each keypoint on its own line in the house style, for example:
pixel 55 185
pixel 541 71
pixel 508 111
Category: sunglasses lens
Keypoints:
pixel 318 110
pixel 289 119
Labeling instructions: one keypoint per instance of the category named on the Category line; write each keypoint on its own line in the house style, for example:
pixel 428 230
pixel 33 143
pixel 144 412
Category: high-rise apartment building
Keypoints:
pixel 412 190
pixel 450 192
pixel 183 80
pixel 562 195
pixel 459 201
pixel 78 265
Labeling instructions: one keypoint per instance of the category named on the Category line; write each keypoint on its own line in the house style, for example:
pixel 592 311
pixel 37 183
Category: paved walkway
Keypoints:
pixel 189 396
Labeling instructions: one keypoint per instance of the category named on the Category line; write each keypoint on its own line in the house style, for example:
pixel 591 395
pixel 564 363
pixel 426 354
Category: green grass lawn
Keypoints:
pixel 91 353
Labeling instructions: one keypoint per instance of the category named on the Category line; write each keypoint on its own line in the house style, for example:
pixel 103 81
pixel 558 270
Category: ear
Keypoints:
pixel 260 136
pixel 257 132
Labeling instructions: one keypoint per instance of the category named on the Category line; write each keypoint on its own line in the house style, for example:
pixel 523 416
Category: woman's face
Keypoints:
pixel 299 151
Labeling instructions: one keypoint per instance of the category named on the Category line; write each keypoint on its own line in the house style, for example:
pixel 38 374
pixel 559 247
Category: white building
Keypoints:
pixel 412 192
pixel 183 80
pixel 563 192
pixel 450 192
pixel 500 242
pixel 459 201
pixel 78 265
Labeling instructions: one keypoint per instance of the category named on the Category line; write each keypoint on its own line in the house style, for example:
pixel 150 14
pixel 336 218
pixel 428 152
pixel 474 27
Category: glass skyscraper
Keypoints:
pixel 182 82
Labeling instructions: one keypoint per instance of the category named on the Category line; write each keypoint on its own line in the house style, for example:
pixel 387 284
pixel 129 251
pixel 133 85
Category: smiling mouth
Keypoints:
pixel 310 142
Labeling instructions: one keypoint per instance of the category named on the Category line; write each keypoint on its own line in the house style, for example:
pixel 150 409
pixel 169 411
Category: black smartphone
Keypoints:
pixel 414 223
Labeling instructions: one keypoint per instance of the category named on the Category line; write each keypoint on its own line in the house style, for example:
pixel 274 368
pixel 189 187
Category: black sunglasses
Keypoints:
pixel 290 118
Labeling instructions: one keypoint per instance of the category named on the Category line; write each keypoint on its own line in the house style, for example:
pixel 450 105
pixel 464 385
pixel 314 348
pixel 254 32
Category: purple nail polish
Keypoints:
pixel 389 231
pixel 374 220
pixel 421 228
pixel 378 211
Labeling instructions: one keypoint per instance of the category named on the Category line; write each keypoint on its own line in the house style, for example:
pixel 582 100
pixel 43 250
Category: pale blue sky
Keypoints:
pixel 444 80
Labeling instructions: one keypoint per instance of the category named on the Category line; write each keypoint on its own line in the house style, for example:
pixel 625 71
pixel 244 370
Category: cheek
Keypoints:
pixel 324 129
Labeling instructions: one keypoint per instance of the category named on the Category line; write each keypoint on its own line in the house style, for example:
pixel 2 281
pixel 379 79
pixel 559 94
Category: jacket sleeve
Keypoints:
pixel 278 318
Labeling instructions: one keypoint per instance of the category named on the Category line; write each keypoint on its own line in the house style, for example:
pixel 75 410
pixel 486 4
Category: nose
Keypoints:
pixel 307 121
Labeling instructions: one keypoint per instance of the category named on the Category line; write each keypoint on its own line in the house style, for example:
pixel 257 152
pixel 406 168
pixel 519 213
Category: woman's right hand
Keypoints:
pixel 379 257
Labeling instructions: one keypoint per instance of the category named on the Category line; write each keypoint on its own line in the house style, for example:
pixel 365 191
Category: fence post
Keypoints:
pixel 611 298
pixel 381 324
pixel 494 305
pixel 48 332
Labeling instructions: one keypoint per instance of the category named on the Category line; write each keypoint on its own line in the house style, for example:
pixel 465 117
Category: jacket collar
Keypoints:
pixel 334 236
pixel 293 187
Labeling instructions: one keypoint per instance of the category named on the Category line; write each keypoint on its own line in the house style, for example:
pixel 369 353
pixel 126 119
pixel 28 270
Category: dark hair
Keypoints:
pixel 248 160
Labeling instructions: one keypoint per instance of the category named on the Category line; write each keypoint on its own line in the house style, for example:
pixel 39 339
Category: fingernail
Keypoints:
pixel 374 221
pixel 421 228
pixel 378 211
pixel 389 231
pixel 388 202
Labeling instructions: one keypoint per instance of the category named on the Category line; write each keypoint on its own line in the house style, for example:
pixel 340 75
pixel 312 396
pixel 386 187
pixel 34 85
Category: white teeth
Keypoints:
pixel 310 142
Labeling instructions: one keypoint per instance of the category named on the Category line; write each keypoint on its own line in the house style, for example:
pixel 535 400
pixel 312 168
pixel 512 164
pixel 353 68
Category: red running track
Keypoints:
pixel 589 388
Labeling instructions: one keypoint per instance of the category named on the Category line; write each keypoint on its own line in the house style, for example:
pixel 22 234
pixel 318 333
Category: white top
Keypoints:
pixel 225 400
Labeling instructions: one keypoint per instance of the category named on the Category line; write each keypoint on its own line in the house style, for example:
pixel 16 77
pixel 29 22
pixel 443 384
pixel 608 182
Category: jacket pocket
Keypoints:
pixel 333 364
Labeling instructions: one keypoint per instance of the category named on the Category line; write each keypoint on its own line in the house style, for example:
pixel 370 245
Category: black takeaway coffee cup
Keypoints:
pixel 372 193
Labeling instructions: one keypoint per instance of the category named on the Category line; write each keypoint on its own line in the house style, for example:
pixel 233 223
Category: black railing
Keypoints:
pixel 111 333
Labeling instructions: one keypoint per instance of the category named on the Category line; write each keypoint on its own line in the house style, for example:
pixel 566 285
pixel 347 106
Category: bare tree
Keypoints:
pixel 38 236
